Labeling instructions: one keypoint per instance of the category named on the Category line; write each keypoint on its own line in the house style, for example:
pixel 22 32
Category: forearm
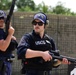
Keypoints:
pixel 5 43
pixel 31 53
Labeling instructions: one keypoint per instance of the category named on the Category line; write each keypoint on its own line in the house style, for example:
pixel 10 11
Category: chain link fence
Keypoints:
pixel 61 28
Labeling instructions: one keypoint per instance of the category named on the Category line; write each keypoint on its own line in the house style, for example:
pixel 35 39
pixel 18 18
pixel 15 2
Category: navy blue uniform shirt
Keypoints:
pixel 7 53
pixel 35 42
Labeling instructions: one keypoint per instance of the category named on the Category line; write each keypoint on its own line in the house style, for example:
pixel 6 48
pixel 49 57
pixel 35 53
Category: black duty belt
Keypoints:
pixel 9 59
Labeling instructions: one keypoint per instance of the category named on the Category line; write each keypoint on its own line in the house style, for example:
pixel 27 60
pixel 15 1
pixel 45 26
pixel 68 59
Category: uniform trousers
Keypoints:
pixel 33 72
pixel 8 68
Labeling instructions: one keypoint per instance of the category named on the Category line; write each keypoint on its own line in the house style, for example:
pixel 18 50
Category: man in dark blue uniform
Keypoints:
pixel 34 49
pixel 5 43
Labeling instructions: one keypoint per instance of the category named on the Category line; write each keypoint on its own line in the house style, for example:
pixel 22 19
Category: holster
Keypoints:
pixel 13 45
pixel 2 67
pixel 23 71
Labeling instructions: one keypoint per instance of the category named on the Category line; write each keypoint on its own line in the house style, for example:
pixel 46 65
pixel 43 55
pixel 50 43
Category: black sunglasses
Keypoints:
pixel 39 23
pixel 1 18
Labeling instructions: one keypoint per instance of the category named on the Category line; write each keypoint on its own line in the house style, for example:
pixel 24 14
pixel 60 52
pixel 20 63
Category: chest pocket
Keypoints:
pixel 40 44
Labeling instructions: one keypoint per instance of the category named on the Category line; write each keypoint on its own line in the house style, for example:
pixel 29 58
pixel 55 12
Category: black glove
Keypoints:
pixel 13 45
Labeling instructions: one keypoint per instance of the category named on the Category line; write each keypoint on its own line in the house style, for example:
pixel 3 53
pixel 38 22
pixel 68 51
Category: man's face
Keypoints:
pixel 38 26
pixel 1 23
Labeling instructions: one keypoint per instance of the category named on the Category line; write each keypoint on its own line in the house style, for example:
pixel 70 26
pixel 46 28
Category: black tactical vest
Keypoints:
pixel 37 63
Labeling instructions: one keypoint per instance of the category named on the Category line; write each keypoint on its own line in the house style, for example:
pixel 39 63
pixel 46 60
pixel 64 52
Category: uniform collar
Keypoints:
pixel 37 35
pixel 1 29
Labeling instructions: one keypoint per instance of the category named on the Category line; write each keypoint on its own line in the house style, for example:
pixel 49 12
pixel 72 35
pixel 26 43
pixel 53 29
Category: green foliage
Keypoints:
pixel 60 9
pixel 30 6
pixel 23 4
pixel 5 4
pixel 42 7
pixel 27 9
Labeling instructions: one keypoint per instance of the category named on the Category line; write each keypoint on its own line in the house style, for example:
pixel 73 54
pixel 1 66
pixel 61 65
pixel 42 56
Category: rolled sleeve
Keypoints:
pixel 22 47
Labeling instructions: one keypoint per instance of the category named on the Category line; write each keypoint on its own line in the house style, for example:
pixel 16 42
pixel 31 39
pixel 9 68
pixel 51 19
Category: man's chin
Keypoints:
pixel 1 27
pixel 37 32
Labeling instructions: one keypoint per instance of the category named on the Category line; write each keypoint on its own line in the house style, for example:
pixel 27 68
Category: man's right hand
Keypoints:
pixel 11 30
pixel 46 56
